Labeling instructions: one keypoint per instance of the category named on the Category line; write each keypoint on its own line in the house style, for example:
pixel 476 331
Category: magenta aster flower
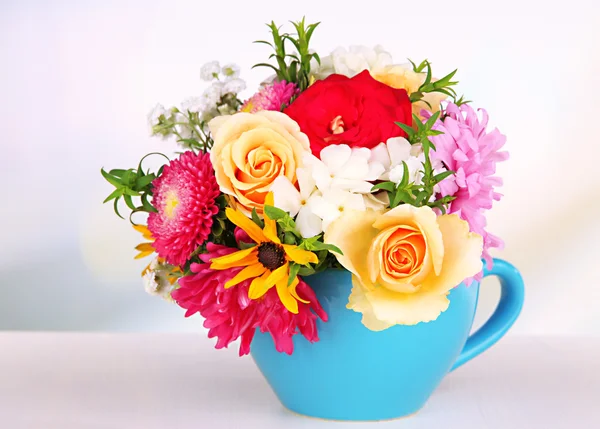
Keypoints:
pixel 184 195
pixel 271 97
pixel 472 153
pixel 229 314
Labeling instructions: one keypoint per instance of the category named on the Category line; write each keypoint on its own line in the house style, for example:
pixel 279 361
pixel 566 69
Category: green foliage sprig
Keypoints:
pixel 443 85
pixel 199 139
pixel 289 235
pixel 132 183
pixel 292 67
pixel 407 192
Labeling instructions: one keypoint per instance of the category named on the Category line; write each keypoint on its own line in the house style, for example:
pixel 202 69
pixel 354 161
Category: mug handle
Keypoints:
pixel 507 311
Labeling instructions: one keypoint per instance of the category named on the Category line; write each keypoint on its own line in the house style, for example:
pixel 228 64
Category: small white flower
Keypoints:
pixel 341 167
pixel 156 280
pixel 334 202
pixel 234 86
pixel 183 128
pixel 230 71
pixel 300 203
pixel 350 62
pixel 210 71
pixel 194 104
pixel 155 114
pixel 213 94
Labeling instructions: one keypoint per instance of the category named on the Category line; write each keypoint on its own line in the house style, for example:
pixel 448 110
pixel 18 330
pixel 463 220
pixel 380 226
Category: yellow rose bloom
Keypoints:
pixel 404 262
pixel 251 150
pixel 404 77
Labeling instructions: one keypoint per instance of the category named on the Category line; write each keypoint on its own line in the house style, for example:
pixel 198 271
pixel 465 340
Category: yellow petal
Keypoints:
pixel 270 229
pixel 252 229
pixel 143 254
pixel 292 289
pixel 300 256
pixel 286 297
pixel 462 254
pixel 254 270
pixel 257 287
pixel 228 261
pixel 143 229
pixel 352 233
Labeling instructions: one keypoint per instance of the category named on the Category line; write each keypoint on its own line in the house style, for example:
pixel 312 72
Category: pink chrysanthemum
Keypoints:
pixel 271 97
pixel 229 314
pixel 469 150
pixel 184 195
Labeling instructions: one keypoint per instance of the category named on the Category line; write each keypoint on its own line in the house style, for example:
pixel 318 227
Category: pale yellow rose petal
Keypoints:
pixel 462 254
pixel 406 309
pixel 359 303
pixel 352 233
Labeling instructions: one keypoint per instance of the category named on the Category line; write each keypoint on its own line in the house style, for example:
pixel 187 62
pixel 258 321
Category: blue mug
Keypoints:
pixel 353 373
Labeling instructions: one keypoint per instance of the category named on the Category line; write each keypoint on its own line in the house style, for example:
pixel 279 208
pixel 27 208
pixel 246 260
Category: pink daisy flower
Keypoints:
pixel 472 153
pixel 184 195
pixel 229 314
pixel 271 97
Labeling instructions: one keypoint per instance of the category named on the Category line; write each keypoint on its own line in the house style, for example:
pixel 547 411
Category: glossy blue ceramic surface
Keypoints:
pixel 353 373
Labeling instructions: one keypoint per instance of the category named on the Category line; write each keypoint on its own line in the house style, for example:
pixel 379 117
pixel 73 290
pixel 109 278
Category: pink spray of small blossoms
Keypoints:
pixel 472 153
pixel 271 97
pixel 229 314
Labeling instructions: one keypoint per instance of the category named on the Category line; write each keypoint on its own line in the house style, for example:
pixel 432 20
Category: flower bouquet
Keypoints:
pixel 345 199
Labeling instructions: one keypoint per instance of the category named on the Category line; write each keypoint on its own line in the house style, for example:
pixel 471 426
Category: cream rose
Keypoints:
pixel 403 76
pixel 251 150
pixel 404 262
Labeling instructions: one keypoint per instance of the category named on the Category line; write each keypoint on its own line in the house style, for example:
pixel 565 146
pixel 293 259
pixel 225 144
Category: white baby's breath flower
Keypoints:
pixel 210 71
pixel 230 71
pixel 212 95
pixel 156 280
pixel 350 62
pixel 194 104
pixel 155 114
pixel 299 203
pixel 234 86
pixel 182 128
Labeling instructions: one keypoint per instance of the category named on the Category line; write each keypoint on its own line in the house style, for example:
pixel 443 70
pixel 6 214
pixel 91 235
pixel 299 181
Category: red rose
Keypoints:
pixel 358 111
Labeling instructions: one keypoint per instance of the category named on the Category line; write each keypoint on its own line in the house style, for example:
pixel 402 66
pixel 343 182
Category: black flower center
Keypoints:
pixel 271 255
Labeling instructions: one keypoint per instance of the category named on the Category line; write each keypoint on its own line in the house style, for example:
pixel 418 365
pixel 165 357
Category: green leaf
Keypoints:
pixel 319 245
pixel 405 175
pixel 294 268
pixel 431 121
pixel 406 128
pixel 267 65
pixel 144 181
pixel 274 213
pixel 115 181
pixel 264 42
pixel 306 271
pixel 146 204
pixel 441 176
pixel 129 191
pixel 386 186
pixel 117 193
pixel 117 172
pixel 428 76
pixel 257 220
pixel 116 208
pixel 128 200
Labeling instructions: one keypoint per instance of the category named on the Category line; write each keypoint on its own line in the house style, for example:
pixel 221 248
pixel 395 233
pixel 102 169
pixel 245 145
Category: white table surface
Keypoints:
pixel 172 381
